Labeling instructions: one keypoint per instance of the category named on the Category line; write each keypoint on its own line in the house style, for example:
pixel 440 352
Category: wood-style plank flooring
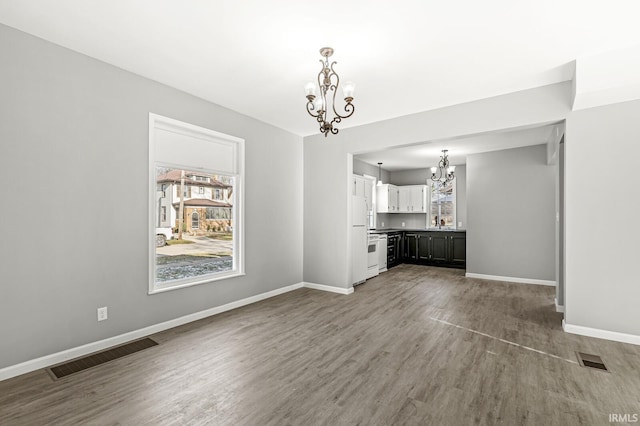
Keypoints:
pixel 416 345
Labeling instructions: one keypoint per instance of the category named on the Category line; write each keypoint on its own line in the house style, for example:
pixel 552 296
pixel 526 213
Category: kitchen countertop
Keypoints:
pixel 387 230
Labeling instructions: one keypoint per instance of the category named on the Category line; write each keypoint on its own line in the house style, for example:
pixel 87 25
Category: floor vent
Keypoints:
pixel 591 361
pixel 86 362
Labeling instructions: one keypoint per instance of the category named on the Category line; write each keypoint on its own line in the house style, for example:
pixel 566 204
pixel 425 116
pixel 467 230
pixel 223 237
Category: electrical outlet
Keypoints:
pixel 383 224
pixel 459 224
pixel 102 313
pixel 403 224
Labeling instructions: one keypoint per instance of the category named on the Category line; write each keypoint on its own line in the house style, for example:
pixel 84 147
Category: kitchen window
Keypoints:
pixel 442 210
pixel 207 246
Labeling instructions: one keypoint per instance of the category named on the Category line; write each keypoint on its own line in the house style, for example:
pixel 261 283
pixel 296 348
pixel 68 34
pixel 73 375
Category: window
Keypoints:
pixel 217 195
pixel 443 205
pixel 211 230
pixel 186 192
pixel 164 190
pixel 214 213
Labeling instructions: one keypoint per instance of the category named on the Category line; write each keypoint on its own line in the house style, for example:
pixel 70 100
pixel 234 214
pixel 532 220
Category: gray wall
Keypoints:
pixel 511 214
pixel 601 239
pixel 74 173
pixel 420 177
pixel 560 276
pixel 410 220
pixel 362 168
pixel 326 231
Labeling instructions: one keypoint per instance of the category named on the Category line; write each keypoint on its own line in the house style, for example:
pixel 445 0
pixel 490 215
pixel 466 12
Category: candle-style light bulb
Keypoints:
pixel 348 88
pixel 310 89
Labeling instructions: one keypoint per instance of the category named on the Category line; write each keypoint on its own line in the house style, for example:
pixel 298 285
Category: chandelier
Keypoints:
pixel 328 81
pixel 444 170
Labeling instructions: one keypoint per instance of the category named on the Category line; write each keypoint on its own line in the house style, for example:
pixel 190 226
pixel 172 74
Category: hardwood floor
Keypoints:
pixel 416 345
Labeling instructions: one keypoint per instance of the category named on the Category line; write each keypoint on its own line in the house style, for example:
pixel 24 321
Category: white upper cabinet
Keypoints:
pixel 418 198
pixel 387 198
pixel 402 199
pixel 412 199
pixel 393 198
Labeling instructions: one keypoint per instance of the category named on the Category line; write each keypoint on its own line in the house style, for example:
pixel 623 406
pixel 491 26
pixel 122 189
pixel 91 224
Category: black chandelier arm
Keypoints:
pixel 336 120
pixel 311 107
pixel 349 109
pixel 442 176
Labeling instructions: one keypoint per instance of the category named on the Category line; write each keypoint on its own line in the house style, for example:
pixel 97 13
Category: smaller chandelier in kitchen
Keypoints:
pixel 445 172
pixel 328 82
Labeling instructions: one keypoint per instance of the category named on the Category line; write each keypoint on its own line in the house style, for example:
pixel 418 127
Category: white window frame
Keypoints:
pixel 229 163
pixel 454 184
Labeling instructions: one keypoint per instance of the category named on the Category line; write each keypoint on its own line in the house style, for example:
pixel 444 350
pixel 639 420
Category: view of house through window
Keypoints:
pixel 443 205
pixel 194 224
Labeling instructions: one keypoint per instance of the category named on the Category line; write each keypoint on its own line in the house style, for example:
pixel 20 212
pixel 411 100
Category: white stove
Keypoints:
pixel 372 256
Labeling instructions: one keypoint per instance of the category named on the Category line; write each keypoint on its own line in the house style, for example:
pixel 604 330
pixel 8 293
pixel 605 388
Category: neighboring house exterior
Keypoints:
pixel 207 201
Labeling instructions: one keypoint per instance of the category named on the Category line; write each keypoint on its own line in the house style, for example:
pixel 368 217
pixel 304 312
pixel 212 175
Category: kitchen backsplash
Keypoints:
pixel 395 220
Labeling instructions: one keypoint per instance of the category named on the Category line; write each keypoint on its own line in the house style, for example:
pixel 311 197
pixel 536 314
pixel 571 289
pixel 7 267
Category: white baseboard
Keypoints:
pixel 510 279
pixel 601 334
pixel 56 358
pixel 559 308
pixel 330 288
pixel 66 355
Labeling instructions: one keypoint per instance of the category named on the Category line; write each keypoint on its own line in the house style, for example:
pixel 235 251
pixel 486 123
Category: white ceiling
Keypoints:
pixel 427 154
pixel 254 56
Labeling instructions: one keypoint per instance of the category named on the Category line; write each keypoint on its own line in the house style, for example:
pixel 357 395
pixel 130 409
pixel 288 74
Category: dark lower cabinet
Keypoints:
pixel 424 247
pixel 394 249
pixel 458 249
pixel 411 246
pixel 440 248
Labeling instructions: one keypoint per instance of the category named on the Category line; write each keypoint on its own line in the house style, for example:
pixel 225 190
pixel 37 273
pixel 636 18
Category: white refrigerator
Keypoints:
pixel 359 240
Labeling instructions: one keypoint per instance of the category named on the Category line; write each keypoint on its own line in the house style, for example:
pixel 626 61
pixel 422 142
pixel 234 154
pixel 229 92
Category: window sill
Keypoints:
pixel 176 285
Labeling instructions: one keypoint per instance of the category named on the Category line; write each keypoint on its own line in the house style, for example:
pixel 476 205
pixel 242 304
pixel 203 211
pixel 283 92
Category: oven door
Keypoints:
pixel 372 258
